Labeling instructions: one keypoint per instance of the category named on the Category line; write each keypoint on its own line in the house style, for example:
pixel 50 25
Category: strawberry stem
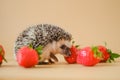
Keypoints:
pixel 105 44
pixel 4 59
pixel 73 42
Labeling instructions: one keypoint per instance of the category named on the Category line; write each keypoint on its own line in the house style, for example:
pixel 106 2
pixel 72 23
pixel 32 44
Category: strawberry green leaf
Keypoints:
pixel 108 60
pixel 109 51
pixel 39 49
pixel 31 46
pixel 0 50
pixel 115 55
pixel 73 42
pixel 96 51
pixel 112 56
pixel 77 46
pixel 99 54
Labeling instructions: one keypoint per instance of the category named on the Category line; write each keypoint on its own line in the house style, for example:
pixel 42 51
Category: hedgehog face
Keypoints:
pixel 65 50
pixel 63 47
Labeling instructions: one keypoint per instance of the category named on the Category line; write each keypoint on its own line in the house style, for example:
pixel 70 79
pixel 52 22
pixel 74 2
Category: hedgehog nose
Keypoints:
pixel 68 53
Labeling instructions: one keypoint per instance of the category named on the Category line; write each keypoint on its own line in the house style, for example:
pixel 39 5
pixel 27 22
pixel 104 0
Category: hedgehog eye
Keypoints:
pixel 63 47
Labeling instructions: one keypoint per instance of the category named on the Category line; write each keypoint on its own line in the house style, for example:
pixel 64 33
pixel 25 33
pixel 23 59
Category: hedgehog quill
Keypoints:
pixel 53 39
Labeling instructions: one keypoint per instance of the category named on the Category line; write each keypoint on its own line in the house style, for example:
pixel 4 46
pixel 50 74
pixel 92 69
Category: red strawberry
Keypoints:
pixel 105 53
pixel 27 57
pixel 108 55
pixel 89 56
pixel 0 60
pixel 2 54
pixel 72 58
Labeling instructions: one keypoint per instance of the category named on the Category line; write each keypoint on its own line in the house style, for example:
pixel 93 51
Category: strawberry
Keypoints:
pixel 27 57
pixel 2 54
pixel 72 58
pixel 108 55
pixel 105 53
pixel 89 56
pixel 1 60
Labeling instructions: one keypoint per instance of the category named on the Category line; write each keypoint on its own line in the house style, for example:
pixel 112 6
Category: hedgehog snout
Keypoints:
pixel 68 53
pixel 65 50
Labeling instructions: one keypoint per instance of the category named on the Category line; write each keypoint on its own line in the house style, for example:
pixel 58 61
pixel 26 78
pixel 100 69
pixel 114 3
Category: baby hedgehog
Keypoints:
pixel 53 39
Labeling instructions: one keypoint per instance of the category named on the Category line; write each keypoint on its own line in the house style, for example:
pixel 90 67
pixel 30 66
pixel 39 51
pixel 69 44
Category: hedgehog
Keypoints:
pixel 53 39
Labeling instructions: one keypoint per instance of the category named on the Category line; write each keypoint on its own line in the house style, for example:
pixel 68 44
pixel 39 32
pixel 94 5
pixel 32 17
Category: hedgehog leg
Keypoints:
pixel 43 63
pixel 53 57
pixel 50 61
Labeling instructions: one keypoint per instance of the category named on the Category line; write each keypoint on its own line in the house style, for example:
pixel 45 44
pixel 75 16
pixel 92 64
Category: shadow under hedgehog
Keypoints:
pixel 53 39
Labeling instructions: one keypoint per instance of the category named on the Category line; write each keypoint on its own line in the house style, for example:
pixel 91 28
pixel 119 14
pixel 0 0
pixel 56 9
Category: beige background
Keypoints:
pixel 91 22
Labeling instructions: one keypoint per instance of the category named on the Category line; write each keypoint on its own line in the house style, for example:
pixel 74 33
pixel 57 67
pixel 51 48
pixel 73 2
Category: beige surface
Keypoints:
pixel 60 71
pixel 90 22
